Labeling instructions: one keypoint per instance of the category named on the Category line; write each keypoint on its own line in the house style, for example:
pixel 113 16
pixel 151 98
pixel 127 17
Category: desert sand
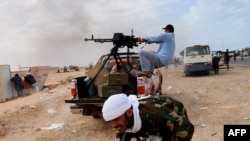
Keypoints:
pixel 211 101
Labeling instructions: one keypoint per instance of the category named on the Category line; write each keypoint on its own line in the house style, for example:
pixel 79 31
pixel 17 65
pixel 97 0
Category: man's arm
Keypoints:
pixel 153 39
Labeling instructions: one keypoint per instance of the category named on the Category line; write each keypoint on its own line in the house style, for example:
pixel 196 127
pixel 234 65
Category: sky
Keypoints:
pixel 52 32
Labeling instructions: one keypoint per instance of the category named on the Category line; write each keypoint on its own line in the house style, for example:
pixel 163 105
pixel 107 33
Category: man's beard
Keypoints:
pixel 130 120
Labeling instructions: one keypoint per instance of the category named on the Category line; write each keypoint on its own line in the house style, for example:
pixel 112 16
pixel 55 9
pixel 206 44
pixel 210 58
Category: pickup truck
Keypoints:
pixel 110 75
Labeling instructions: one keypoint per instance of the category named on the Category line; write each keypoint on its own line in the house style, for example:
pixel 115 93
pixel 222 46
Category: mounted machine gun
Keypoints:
pixel 98 83
pixel 119 41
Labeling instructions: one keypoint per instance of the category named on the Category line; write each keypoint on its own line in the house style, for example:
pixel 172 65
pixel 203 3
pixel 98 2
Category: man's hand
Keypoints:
pixel 140 39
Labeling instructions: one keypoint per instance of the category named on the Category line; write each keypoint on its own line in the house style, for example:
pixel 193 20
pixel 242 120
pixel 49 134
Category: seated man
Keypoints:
pixel 164 54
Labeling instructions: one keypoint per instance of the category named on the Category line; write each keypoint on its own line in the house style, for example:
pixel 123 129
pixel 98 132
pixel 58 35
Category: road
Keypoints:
pixel 238 61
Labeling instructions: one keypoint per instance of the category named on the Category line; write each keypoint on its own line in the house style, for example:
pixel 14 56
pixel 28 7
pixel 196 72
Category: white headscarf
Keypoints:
pixel 118 104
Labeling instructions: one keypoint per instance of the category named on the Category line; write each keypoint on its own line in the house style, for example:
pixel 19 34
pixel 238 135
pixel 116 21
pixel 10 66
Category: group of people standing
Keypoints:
pixel 18 83
pixel 216 60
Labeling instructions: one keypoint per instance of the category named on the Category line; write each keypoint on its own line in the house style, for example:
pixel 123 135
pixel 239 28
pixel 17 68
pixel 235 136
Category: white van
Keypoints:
pixel 197 58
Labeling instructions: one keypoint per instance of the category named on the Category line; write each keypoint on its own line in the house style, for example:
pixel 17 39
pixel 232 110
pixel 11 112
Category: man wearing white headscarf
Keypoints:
pixel 122 113
pixel 119 109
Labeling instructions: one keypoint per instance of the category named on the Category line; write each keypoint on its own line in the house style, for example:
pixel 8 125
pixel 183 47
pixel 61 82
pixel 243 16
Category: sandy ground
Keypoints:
pixel 211 102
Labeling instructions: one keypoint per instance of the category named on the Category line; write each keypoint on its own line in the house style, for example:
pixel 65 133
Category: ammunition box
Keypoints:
pixel 105 90
pixel 117 79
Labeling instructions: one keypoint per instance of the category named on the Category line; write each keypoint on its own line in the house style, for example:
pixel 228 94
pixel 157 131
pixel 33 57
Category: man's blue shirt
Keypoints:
pixel 167 46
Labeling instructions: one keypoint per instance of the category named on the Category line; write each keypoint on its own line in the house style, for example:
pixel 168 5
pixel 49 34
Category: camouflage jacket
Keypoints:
pixel 165 117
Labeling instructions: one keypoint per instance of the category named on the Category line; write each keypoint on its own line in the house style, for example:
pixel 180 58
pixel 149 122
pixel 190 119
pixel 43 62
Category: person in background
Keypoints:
pixel 235 56
pixel 30 78
pixel 18 85
pixel 164 54
pixel 242 55
pixel 227 59
pixel 150 118
pixel 216 60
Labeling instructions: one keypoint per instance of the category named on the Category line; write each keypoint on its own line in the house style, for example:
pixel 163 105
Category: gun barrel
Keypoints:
pixel 119 40
pixel 99 40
